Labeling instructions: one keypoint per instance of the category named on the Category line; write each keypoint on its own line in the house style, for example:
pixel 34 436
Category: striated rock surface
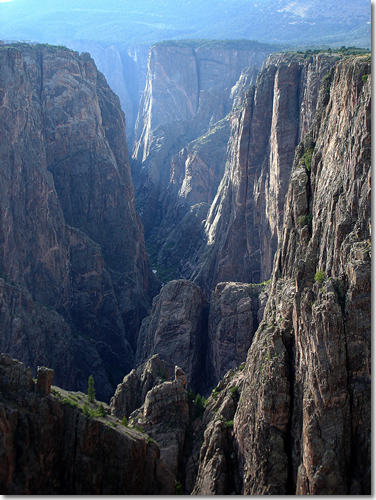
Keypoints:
pixel 125 70
pixel 48 447
pixel 176 329
pixel 165 416
pixel 131 393
pixel 188 90
pixel 218 470
pixel 233 321
pixel 195 174
pixel 71 243
pixel 244 222
pixel 302 424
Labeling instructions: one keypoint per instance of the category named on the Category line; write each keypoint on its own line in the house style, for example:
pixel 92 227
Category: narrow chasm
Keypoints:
pixel 289 343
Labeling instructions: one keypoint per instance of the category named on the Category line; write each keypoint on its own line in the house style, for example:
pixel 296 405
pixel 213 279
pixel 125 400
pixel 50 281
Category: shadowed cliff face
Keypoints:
pixel 302 423
pixel 49 447
pixel 243 225
pixel 69 234
pixel 187 92
pixel 125 72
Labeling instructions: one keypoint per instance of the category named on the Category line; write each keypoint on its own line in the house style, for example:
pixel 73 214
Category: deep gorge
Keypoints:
pixel 232 239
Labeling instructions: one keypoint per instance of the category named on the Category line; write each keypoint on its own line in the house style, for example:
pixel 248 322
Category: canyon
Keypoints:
pixel 72 259
pixel 252 181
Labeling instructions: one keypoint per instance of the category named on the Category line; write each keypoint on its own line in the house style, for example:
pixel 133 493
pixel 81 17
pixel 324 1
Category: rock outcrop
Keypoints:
pixel 244 222
pixel 205 338
pixel 218 472
pixel 50 447
pixel 125 70
pixel 131 393
pixel 302 424
pixel 176 330
pixel 71 244
pixel 165 416
pixel 233 321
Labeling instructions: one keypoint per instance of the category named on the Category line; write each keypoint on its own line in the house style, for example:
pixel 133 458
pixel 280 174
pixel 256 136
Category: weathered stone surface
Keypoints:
pixel 188 90
pixel 165 416
pixel 125 71
pixel 131 393
pixel 70 238
pixel 218 472
pixel 243 225
pixel 233 321
pixel 195 173
pixel 44 380
pixel 302 424
pixel 47 447
pixel 176 329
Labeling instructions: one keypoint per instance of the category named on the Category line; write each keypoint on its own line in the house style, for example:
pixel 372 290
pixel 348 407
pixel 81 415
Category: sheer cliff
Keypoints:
pixel 125 70
pixel 302 419
pixel 293 413
pixel 74 272
pixel 244 222
pixel 188 90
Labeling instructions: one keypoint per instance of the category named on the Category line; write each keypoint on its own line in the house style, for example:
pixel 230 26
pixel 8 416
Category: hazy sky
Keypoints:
pixel 295 22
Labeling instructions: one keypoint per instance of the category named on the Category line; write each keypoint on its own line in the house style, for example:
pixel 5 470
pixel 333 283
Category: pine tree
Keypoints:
pixel 101 411
pixel 91 390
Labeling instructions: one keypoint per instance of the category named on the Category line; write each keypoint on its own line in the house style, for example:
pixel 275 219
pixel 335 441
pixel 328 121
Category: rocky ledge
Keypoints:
pixel 50 445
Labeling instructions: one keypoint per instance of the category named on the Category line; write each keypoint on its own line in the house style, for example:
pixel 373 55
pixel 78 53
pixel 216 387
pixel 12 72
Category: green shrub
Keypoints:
pixel 69 402
pixel 124 421
pixel 178 490
pixel 306 220
pixel 229 423
pixel 365 78
pixel 200 403
pixel 215 393
pixel 234 391
pixel 319 276
pixel 307 159
pixel 85 408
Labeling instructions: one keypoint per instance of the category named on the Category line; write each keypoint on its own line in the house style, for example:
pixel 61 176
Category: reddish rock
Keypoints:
pixel 44 380
pixel 232 324
pixel 131 393
pixel 165 416
pixel 48 447
pixel 244 222
pixel 303 421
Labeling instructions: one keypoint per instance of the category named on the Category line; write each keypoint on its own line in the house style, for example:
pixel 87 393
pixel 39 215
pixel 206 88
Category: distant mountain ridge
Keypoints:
pixel 316 22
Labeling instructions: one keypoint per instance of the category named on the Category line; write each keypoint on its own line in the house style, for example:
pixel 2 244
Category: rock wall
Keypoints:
pixel 164 415
pixel 303 420
pixel 244 222
pixel 131 393
pixel 71 243
pixel 125 70
pixel 176 329
pixel 187 91
pixel 234 316
pixel 48 447
pixel 206 338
